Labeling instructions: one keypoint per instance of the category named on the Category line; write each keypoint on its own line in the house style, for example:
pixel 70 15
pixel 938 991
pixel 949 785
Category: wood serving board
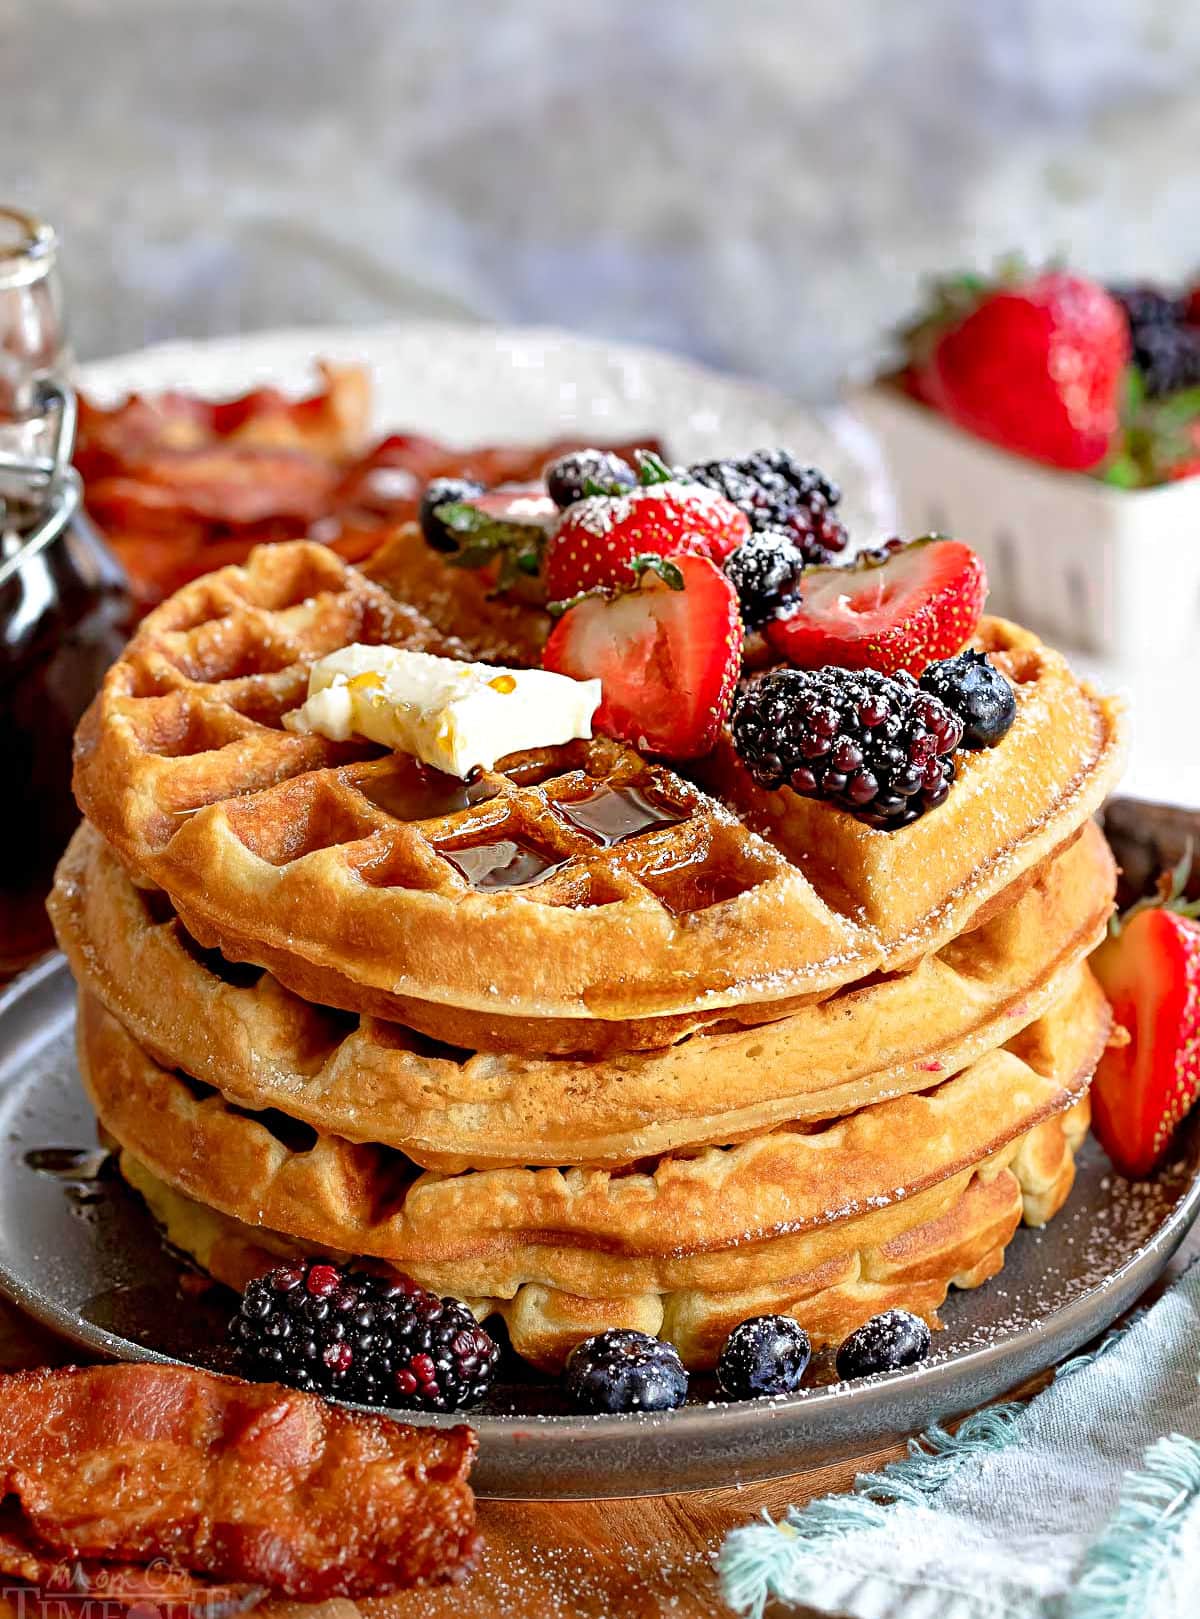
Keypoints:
pixel 649 1558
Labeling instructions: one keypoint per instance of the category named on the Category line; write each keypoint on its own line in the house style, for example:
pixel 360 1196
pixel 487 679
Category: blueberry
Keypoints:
pixel 974 689
pixel 442 492
pixel 568 477
pixel 623 1370
pixel 885 1343
pixel 766 1355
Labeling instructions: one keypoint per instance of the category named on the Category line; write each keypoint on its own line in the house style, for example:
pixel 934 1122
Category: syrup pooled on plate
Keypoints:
pixel 612 814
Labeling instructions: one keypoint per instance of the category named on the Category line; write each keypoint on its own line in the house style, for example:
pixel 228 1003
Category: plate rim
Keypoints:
pixel 691 1421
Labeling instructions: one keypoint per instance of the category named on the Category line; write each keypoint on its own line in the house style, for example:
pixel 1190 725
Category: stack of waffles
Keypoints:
pixel 588 1041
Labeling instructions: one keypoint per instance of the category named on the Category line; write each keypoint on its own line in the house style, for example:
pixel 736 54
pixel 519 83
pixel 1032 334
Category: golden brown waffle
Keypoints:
pixel 728 1219
pixel 240 1031
pixel 348 880
pixel 960 1244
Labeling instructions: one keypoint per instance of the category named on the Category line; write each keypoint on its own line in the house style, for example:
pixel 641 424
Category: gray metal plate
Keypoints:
pixel 79 1252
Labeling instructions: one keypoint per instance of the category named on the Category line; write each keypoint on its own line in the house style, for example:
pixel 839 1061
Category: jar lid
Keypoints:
pixel 28 248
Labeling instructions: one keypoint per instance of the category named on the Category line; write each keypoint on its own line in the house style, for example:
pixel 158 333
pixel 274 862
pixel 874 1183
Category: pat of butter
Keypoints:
pixel 453 716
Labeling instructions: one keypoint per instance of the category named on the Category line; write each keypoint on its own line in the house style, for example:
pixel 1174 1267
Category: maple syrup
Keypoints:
pixel 504 863
pixel 422 794
pixel 64 606
pixel 610 815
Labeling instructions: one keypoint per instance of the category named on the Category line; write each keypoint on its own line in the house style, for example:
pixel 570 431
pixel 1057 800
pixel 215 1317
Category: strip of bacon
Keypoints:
pixel 251 1485
pixel 180 485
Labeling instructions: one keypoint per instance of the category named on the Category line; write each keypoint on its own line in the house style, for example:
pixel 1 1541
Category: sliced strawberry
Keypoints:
pixel 1034 363
pixel 598 538
pixel 1150 972
pixel 668 657
pixel 902 607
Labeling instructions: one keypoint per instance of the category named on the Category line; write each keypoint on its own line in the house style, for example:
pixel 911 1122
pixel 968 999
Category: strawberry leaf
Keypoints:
pixel 652 469
pixel 669 572
pixel 517 547
pixel 1171 895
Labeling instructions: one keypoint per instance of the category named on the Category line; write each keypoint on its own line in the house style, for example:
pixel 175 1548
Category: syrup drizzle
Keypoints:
pixel 610 815
pixel 423 794
pixel 506 863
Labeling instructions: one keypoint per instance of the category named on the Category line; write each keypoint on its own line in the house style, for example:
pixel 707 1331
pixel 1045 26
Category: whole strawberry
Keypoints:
pixel 1035 365
pixel 596 542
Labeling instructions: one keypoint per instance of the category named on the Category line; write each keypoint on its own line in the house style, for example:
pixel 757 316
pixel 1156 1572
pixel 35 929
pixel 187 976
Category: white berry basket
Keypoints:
pixel 1111 571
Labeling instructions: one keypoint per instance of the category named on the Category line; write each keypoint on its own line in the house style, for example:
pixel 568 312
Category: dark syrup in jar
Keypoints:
pixel 64 610
pixel 64 617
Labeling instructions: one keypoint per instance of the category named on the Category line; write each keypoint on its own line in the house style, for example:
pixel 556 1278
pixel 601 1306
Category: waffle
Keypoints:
pixel 335 869
pixel 960 1243
pixel 729 1219
pixel 240 1031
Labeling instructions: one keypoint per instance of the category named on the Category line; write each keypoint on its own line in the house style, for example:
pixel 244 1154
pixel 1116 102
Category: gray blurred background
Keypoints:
pixel 759 183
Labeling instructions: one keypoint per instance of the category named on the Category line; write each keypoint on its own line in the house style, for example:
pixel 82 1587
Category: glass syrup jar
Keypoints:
pixel 64 604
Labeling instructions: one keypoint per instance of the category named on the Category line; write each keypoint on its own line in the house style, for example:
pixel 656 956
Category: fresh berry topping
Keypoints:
pixel 875 745
pixel 885 1343
pixel 895 608
pixel 1150 970
pixel 766 574
pixel 377 1340
pixel 668 653
pixel 587 472
pixel 775 491
pixel 1147 305
pixel 1168 358
pixel 502 529
pixel 623 1370
pixel 1035 365
pixel 598 540
pixel 972 687
pixel 444 492
pixel 766 1355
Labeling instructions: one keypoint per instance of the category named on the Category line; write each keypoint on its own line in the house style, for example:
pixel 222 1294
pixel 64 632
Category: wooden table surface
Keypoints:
pixel 637 1559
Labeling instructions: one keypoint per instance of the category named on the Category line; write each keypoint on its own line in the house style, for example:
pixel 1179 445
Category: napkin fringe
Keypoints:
pixel 790 1559
pixel 1123 1570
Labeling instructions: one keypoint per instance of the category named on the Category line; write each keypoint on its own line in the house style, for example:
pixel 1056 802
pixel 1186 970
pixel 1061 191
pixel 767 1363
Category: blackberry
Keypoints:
pixel 885 1343
pixel 624 1370
pixel 1147 305
pixel 442 492
pixel 776 491
pixel 875 745
pixel 567 479
pixel 766 1355
pixel 972 687
pixel 378 1340
pixel 765 571
pixel 1168 358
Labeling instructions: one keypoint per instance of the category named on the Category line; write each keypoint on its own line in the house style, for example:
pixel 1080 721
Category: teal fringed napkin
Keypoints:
pixel 1082 1504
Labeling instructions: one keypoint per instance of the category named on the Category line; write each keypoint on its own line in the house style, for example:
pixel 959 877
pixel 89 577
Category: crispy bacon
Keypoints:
pixel 180 485
pixel 172 1485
